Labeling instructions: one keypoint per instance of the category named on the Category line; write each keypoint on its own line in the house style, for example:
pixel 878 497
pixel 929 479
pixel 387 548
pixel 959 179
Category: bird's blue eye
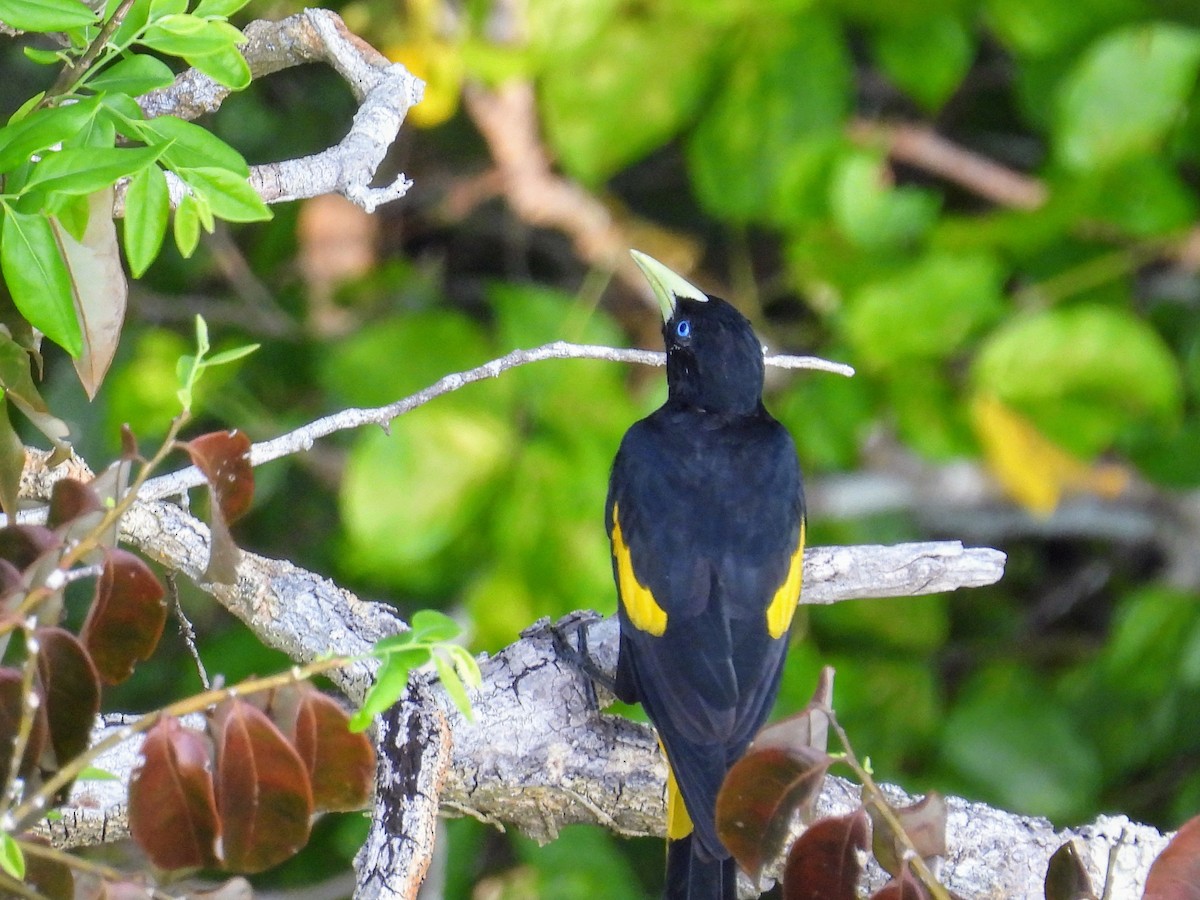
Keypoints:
pixel 683 328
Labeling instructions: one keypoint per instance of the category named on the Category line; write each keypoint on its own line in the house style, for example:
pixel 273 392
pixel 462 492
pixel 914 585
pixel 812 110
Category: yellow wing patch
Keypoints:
pixel 641 607
pixel 679 823
pixel 783 604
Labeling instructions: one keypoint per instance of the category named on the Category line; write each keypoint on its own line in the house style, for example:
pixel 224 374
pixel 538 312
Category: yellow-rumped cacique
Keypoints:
pixel 706 519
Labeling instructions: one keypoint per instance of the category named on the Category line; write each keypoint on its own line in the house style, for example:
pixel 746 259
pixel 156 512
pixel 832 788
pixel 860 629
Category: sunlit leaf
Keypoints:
pixel 263 794
pixel 227 67
pixel 99 289
pixel 12 859
pixel 187 226
pixel 340 763
pixel 1031 468
pixel 390 683
pixel 37 277
pixel 433 626
pixel 1122 96
pixel 126 617
pixel 133 75
pixel 45 15
pixel 825 861
pixel 42 129
pixel 172 805
pixel 187 145
pixel 147 212
pixel 1175 875
pixel 86 170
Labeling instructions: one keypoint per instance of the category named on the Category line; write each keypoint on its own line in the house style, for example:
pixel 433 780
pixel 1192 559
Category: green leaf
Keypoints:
pixel 1125 94
pixel 37 278
pixel 185 35
pixel 12 860
pixel 190 146
pixel 925 311
pixel 227 193
pixel 161 8
pixel 1016 747
pixel 218 8
pixel 147 209
pixel 45 15
pixel 453 686
pixel 389 685
pixel 231 355
pixel 226 66
pixel 187 226
pixel 873 213
pixel 764 137
pixel 134 75
pixel 432 626
pixel 393 643
pixel 927 58
pixel 620 96
pixel 87 170
pixel 40 130
pixel 45 57
pixel 1082 373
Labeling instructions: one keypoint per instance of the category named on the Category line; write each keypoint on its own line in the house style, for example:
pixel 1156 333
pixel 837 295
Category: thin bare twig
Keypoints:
pixel 303 438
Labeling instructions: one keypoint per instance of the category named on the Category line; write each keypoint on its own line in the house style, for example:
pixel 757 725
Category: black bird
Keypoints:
pixel 706 518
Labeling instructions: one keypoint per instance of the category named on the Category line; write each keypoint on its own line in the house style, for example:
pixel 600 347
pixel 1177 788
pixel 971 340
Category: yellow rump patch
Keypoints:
pixel 783 604
pixel 679 823
pixel 641 607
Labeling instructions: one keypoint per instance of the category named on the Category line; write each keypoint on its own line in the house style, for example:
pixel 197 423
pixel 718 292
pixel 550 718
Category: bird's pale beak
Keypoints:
pixel 667 286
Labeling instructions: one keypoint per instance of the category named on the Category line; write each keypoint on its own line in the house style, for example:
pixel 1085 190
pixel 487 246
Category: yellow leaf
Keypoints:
pixel 439 64
pixel 1032 469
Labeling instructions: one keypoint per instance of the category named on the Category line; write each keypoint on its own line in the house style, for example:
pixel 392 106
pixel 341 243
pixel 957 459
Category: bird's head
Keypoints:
pixel 714 359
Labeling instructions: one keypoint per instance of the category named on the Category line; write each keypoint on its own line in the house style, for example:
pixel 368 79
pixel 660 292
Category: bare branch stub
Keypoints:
pixel 385 91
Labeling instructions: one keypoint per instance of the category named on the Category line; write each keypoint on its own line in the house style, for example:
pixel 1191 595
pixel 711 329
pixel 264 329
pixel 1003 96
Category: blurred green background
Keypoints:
pixel 987 206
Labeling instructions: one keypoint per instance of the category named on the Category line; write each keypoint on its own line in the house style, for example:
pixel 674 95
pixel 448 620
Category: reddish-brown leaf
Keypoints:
pixel 129 444
pixel 340 764
pixel 12 701
pixel 172 806
pixel 126 617
pixel 22 544
pixel 906 886
pixel 925 824
pixel 10 578
pixel 1067 877
pixel 72 689
pixel 70 499
pixel 224 458
pixel 263 795
pixel 825 862
pixel 1175 875
pixel 760 795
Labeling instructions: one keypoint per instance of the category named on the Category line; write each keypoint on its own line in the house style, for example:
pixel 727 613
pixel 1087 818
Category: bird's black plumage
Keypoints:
pixel 706 518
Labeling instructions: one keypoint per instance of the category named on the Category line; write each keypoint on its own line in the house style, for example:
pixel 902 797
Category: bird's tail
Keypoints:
pixel 693 875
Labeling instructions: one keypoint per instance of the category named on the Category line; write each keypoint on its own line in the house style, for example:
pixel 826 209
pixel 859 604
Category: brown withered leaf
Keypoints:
pixel 340 763
pixel 98 287
pixel 905 886
pixel 264 799
pixel 12 701
pixel 825 862
pixel 72 691
pixel 925 824
pixel 126 617
pixel 172 804
pixel 224 458
pixel 1067 877
pixel 759 797
pixel 1175 875
pixel 70 499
